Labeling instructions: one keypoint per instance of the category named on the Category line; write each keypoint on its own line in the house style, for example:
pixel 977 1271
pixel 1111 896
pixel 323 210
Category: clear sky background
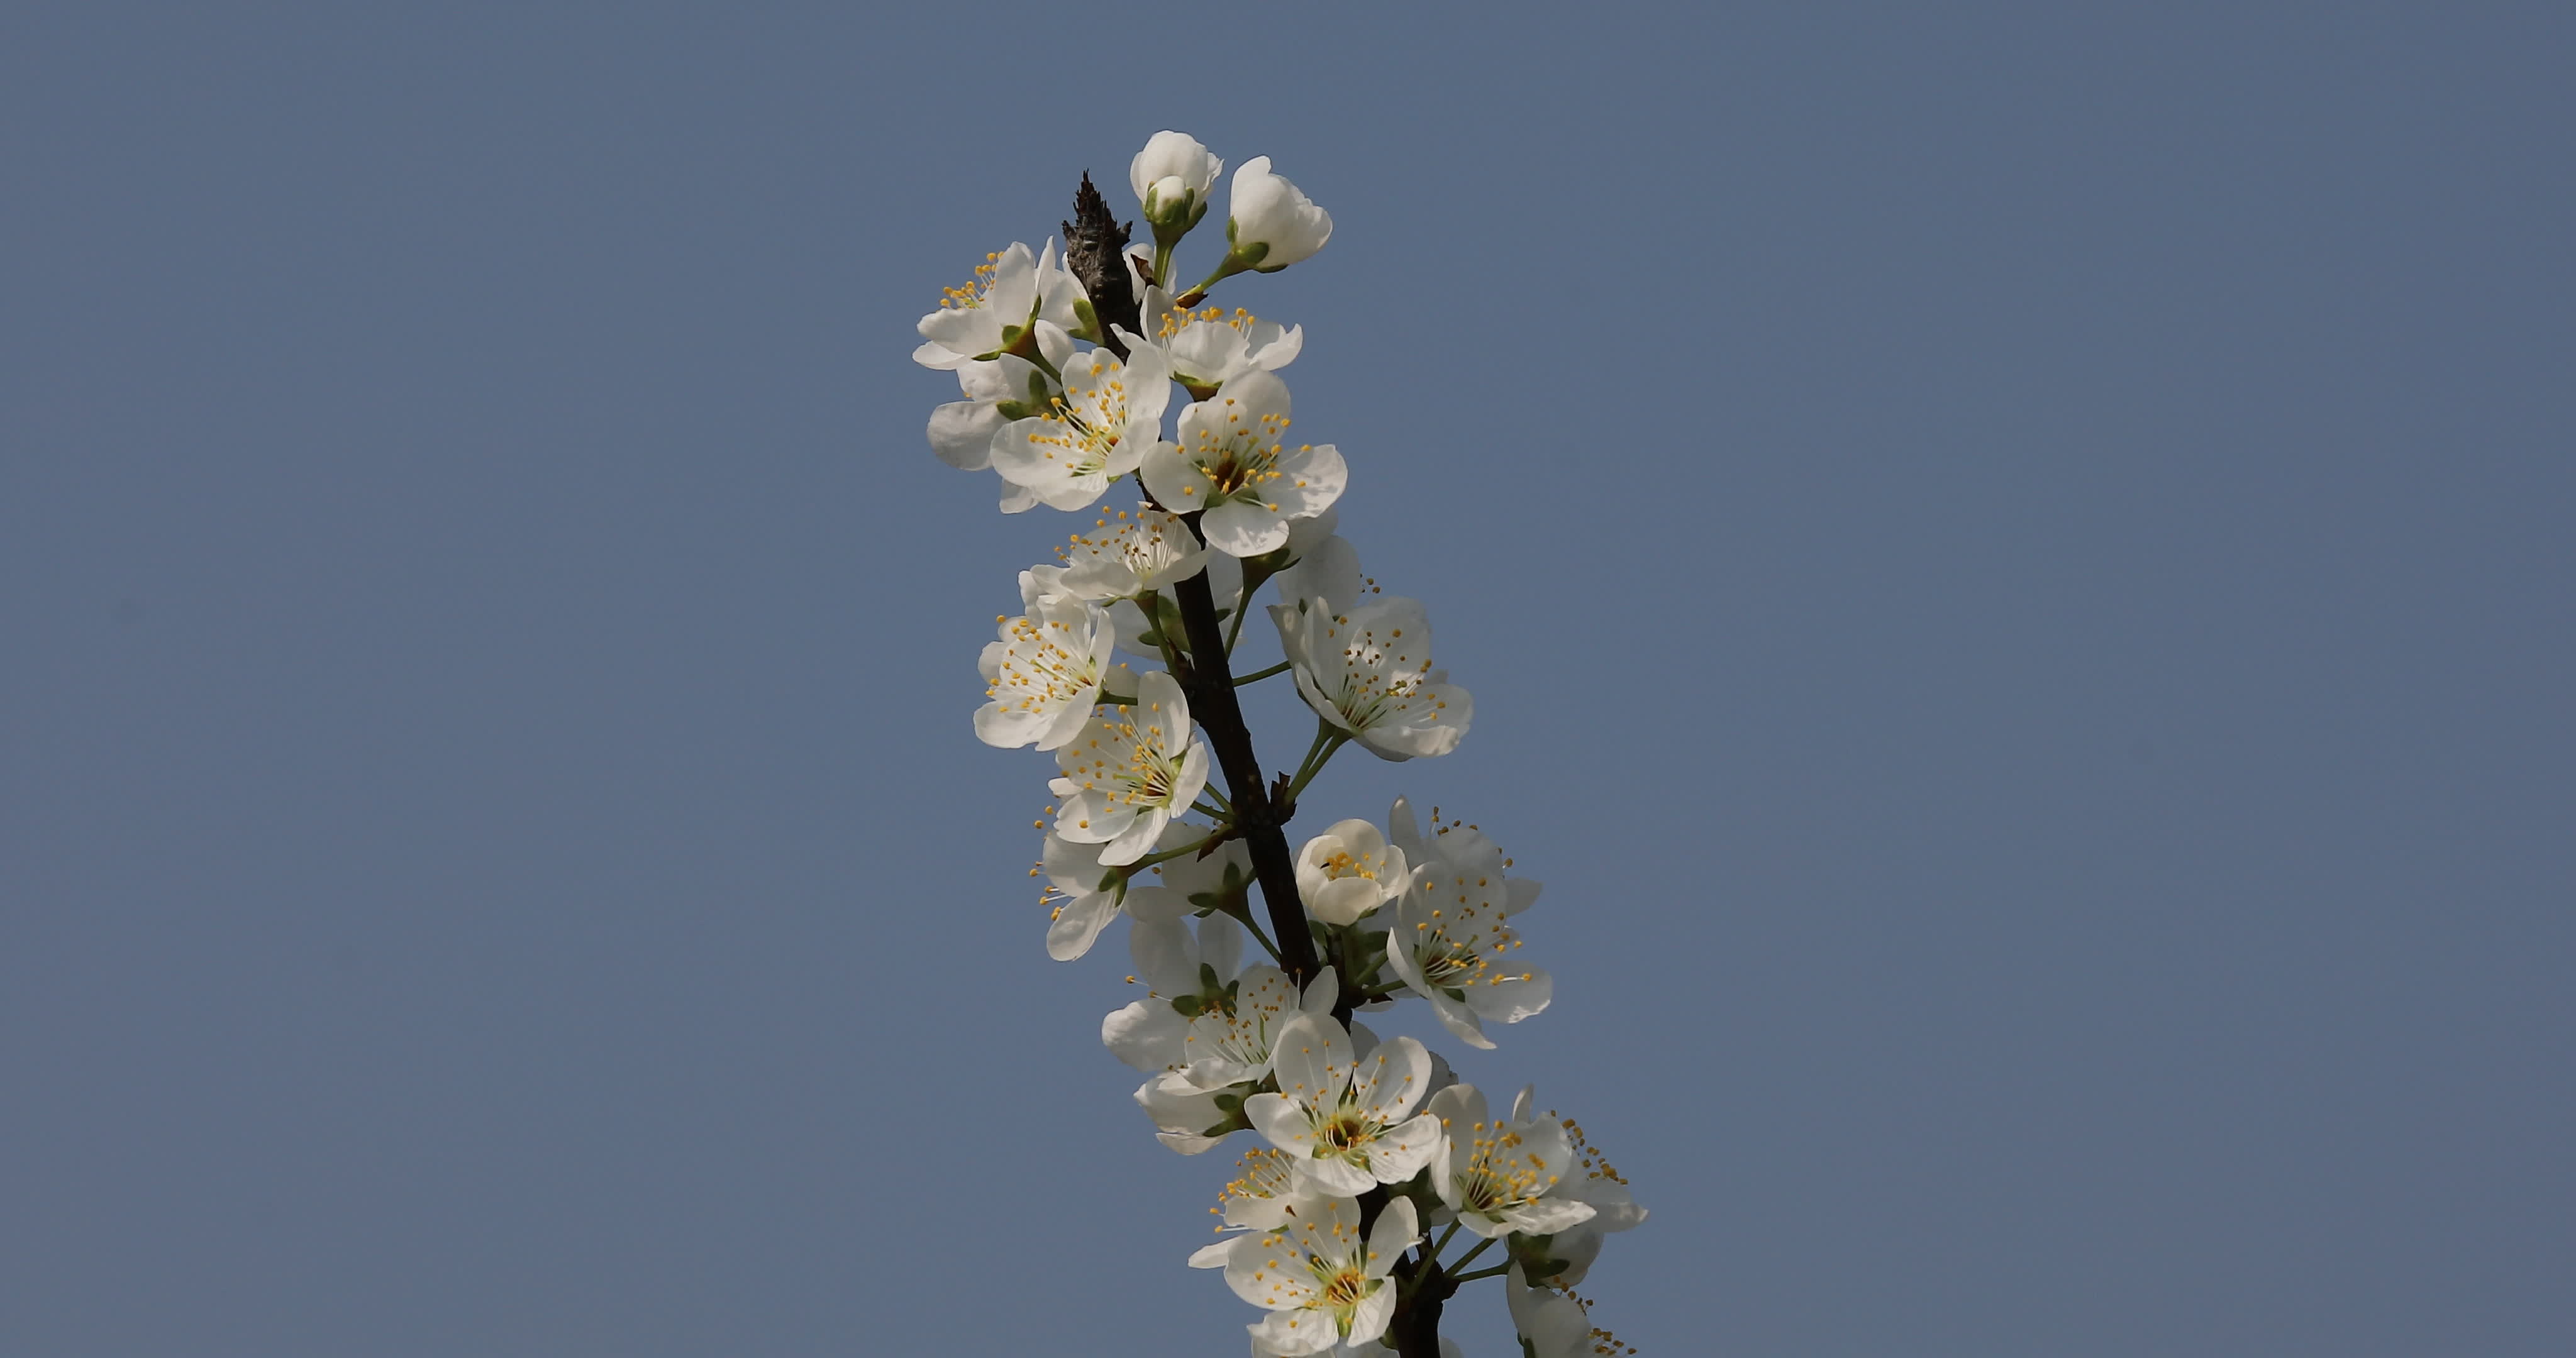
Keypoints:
pixel 2015 567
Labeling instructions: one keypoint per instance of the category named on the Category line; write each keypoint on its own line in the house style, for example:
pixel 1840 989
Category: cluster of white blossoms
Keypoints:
pixel 1367 1159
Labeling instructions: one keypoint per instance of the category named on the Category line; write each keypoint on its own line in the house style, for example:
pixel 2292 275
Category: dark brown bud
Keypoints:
pixel 1094 243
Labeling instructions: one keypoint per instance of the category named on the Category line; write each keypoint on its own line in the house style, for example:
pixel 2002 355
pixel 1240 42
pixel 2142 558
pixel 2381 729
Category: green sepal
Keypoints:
pixel 1530 1252
pixel 1236 1123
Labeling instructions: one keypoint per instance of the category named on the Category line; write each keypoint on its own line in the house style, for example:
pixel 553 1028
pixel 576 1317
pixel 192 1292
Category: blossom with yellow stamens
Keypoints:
pixel 1348 871
pixel 1208 346
pixel 1128 772
pixel 1368 671
pixel 1345 1119
pixel 1323 1283
pixel 1449 942
pixel 1591 1181
pixel 1045 671
pixel 1232 463
pixel 1096 431
pixel 1130 553
pixel 1499 1174
pixel 994 313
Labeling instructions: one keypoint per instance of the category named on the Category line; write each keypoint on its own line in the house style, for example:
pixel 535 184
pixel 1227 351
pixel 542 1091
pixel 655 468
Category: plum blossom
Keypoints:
pixel 1108 414
pixel 1591 1181
pixel 1269 223
pixel 1146 550
pixel 1343 1117
pixel 1259 1198
pixel 1204 1015
pixel 1551 1323
pixel 1127 774
pixel 1212 1059
pixel 1171 177
pixel 993 314
pixel 1322 1283
pixel 1498 1175
pixel 1449 943
pixel 1083 895
pixel 1231 463
pixel 1209 346
pixel 1368 672
pixel 1348 871
pixel 1045 671
pixel 1327 568
pixel 997 392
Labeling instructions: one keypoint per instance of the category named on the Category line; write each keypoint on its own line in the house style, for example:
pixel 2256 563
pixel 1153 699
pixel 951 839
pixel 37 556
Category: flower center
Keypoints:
pixel 1346 1131
pixel 1240 459
pixel 1347 864
pixel 1497 1176
pixel 1041 669
pixel 1344 1289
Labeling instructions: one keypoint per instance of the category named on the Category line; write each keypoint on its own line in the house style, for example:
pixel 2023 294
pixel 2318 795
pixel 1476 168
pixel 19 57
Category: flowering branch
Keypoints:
pixel 1368 1144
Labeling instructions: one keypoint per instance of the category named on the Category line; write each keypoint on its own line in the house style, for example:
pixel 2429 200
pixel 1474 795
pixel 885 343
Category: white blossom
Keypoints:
pixel 1327 569
pixel 1190 1118
pixel 1449 943
pixel 1498 1175
pixel 1045 671
pixel 997 392
pixel 1368 671
pixel 1130 554
pixel 1593 1182
pixel 1345 1117
pixel 1108 414
pixel 1127 774
pixel 1171 177
pixel 1063 306
pixel 1230 461
pixel 1348 871
pixel 1204 1015
pixel 1553 1324
pixel 1209 346
pixel 1174 962
pixel 1321 1282
pixel 1083 895
pixel 1187 1119
pixel 994 314
pixel 1259 1198
pixel 1269 223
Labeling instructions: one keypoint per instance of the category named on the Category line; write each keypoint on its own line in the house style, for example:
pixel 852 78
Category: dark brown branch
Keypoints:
pixel 1415 1329
pixel 1210 684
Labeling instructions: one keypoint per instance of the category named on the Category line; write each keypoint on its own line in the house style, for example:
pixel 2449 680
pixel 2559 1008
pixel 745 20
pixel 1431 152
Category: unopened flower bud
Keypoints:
pixel 1270 223
pixel 1172 177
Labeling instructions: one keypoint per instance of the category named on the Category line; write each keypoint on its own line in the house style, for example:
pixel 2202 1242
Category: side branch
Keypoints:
pixel 1210 685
